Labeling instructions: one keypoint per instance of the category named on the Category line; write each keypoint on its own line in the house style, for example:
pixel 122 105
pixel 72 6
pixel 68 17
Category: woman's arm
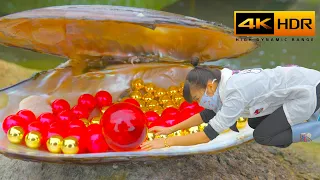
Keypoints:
pixel 188 140
pixel 192 121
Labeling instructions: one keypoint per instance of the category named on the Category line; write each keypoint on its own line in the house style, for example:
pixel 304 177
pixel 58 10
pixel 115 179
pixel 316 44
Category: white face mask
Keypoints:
pixel 211 102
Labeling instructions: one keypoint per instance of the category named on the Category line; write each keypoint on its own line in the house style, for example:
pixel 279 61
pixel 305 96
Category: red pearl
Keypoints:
pixel 169 120
pixel 171 111
pixel 62 128
pixel 81 135
pixel 35 126
pixel 132 101
pixel 27 115
pixel 80 112
pixel 124 126
pixel 103 98
pixel 187 113
pixel 97 143
pixel 60 105
pixel 13 120
pixel 77 124
pixel 87 101
pixel 185 104
pixel 46 119
pixel 94 129
pixel 66 116
pixel 151 117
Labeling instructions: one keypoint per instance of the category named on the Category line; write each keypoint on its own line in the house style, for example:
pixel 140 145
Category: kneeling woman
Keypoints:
pixel 277 102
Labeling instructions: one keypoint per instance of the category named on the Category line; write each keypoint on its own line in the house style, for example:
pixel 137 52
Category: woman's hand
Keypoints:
pixel 158 130
pixel 154 144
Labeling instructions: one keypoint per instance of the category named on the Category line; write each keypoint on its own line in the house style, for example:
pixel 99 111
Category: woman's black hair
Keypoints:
pixel 199 77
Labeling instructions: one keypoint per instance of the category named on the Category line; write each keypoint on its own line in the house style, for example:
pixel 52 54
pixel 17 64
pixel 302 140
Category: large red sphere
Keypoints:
pixel 124 126
pixel 87 101
pixel 132 101
pixel 103 98
pixel 60 105
pixel 27 116
pixel 13 120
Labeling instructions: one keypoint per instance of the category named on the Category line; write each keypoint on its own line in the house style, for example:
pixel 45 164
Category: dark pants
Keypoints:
pixel 274 129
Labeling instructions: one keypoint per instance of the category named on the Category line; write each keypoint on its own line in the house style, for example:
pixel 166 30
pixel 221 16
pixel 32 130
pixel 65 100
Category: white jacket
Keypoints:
pixel 259 92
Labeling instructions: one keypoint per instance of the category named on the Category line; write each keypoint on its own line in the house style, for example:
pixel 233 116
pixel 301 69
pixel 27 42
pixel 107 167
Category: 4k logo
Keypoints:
pixel 255 23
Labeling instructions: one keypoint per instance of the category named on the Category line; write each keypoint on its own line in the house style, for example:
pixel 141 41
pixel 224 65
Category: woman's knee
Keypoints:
pixel 261 138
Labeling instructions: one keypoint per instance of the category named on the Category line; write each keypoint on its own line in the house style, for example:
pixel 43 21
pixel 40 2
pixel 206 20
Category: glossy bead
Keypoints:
pixel 85 121
pixel 202 126
pixel 187 113
pixel 104 109
pixel 151 117
pixel 81 134
pixel 160 136
pixel 97 143
pixel 159 92
pixel 95 120
pixel 137 84
pixel 169 121
pixel 33 139
pixel 77 124
pixel 15 134
pixel 136 95
pixel 172 90
pixel 152 104
pixel 94 129
pixel 158 109
pixel 176 133
pixel 46 119
pixel 87 101
pixel 66 117
pixel 132 101
pixel 13 120
pixel 241 124
pixel 177 98
pixel 193 130
pixel 169 104
pixel 150 136
pixel 148 97
pixel 37 126
pixel 164 99
pixel 141 103
pixel 54 144
pixel 124 127
pixel 60 105
pixel 149 87
pixel 80 112
pixel 27 116
pixel 185 104
pixel 103 99
pixel 170 111
pixel 70 145
pixel 144 109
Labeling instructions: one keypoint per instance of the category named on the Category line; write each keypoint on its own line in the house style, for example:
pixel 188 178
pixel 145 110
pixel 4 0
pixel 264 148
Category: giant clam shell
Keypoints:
pixel 100 42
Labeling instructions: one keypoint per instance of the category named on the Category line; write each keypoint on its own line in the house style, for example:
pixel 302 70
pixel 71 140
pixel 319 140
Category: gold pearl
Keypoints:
pixel 158 109
pixel 177 133
pixel 181 85
pixel 144 109
pixel 148 97
pixel 241 124
pixel 149 87
pixel 15 134
pixel 33 139
pixel 85 121
pixel 202 126
pixel 169 104
pixel 135 95
pixel 159 92
pixel 164 99
pixel 104 109
pixel 160 136
pixel 95 120
pixel 137 84
pixel 194 129
pixel 70 145
pixel 177 98
pixel 172 90
pixel 141 102
pixel 150 136
pixel 152 104
pixel 54 144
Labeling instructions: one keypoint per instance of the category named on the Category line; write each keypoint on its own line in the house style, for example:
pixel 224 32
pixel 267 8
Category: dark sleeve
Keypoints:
pixel 210 132
pixel 207 114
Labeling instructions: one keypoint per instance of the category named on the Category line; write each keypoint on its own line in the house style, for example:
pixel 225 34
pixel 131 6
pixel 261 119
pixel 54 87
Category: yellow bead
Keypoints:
pixel 164 99
pixel 177 98
pixel 85 121
pixel 160 136
pixel 169 104
pixel 70 145
pixel 152 104
pixel 158 109
pixel 95 120
pixel 54 144
pixel 104 109
pixel 142 103
pixel 241 119
pixel 33 139
pixel 144 109
pixel 159 92
pixel 149 87
pixel 194 129
pixel 135 95
pixel 177 133
pixel 150 136
pixel 181 85
pixel 15 134
pixel 202 126
pixel 172 90
pixel 148 97
pixel 137 84
pixel 241 124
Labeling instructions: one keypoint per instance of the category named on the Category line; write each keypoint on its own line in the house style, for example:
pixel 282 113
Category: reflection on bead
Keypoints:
pixel 144 109
pixel 149 87
pixel 177 98
pixel 164 99
pixel 85 121
pixel 15 134
pixel 202 126
pixel 158 109
pixel 152 104
pixel 136 95
pixel 160 136
pixel 54 144
pixel 33 139
pixel 172 90
pixel 70 145
pixel 159 92
pixel 95 120
pixel 147 97
pixel 104 109
pixel 241 124
pixel 141 102
pixel 150 136
pixel 177 133
pixel 137 84
pixel 169 104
